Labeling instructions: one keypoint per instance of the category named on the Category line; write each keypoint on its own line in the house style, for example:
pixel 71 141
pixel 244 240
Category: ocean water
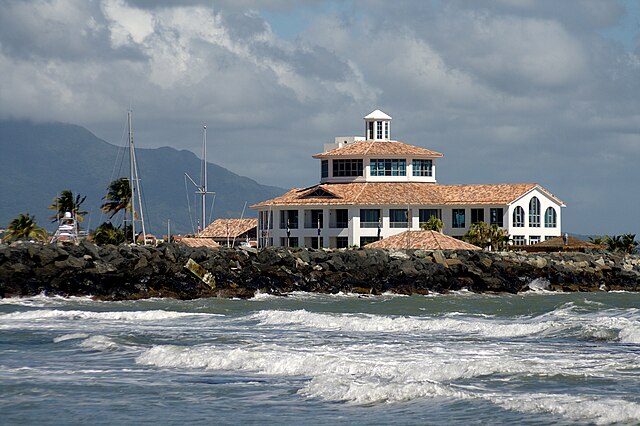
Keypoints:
pixel 532 359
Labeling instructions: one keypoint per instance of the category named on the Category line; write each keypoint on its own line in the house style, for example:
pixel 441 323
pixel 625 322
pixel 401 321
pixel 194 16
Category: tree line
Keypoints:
pixel 118 199
pixel 492 237
pixel 625 243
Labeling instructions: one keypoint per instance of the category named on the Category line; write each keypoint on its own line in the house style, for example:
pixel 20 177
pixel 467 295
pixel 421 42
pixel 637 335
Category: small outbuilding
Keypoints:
pixel 425 240
pixel 227 232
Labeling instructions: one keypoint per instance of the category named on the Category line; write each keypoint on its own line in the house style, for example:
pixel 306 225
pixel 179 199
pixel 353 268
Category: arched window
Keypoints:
pixel 550 218
pixel 534 213
pixel 518 217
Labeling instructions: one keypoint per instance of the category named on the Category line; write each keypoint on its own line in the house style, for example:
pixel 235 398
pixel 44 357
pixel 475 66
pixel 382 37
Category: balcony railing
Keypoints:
pixel 368 224
pixel 312 225
pixel 398 224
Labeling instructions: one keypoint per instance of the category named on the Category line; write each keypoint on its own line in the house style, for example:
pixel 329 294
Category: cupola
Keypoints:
pixel 377 126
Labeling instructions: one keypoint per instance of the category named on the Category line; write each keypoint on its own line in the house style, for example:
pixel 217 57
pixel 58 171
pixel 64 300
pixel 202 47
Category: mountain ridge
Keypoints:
pixel 39 160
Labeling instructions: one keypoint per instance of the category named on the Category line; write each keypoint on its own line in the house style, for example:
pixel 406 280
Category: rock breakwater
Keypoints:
pixel 132 272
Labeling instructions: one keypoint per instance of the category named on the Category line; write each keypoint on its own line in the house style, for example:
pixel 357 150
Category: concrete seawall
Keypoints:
pixel 127 272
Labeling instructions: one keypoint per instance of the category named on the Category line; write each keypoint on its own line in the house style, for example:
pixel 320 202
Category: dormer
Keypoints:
pixel 377 126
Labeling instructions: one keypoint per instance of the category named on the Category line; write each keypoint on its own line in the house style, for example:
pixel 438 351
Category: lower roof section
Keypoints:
pixel 229 228
pixel 425 240
pixel 403 193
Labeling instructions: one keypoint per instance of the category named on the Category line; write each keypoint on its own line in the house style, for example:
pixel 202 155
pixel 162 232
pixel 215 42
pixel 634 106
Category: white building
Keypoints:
pixel 373 187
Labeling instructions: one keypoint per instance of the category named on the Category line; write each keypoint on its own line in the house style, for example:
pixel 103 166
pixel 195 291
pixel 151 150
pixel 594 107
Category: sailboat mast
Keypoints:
pixel 134 183
pixel 131 178
pixel 139 192
pixel 203 184
pixel 202 188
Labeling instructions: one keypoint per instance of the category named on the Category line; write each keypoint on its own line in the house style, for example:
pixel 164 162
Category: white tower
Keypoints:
pixel 377 126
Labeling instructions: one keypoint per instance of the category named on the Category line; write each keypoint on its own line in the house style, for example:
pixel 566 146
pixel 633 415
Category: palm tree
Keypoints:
pixel 628 243
pixel 498 238
pixel 614 242
pixel 118 197
pixel 24 228
pixel 597 240
pixel 433 224
pixel 65 202
pixel 108 234
pixel 478 235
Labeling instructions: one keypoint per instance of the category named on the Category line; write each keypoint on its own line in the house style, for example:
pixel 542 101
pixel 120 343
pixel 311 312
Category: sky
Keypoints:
pixel 510 91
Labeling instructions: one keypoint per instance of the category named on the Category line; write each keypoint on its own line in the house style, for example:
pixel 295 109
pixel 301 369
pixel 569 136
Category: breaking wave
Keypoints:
pixel 154 315
pixel 378 323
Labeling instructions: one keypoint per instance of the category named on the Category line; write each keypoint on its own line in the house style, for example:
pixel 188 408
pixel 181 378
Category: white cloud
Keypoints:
pixel 127 24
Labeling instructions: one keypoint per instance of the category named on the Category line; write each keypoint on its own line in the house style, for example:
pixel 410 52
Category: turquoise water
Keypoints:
pixel 532 359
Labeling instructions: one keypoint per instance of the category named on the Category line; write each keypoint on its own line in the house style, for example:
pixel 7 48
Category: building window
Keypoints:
pixel 519 240
pixel 289 242
pixel 422 167
pixel 388 167
pixel 386 130
pixel 324 168
pixel 550 218
pixel 266 220
pixel 379 129
pixel 398 218
pixel 370 130
pixel 425 215
pixel 458 218
pixel 316 242
pixel 366 240
pixel 518 217
pixel 534 213
pixel 477 215
pixel 347 168
pixel 534 239
pixel 341 218
pixel 342 242
pixel 289 219
pixel 312 218
pixel 495 216
pixel 369 218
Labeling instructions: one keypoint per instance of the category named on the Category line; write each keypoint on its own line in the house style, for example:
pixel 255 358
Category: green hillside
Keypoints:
pixel 37 161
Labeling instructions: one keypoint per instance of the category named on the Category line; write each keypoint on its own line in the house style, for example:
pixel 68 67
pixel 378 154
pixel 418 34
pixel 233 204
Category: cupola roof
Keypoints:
pixel 377 115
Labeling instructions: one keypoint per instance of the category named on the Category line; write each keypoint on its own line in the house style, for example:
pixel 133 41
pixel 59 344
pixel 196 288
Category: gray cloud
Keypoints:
pixel 509 91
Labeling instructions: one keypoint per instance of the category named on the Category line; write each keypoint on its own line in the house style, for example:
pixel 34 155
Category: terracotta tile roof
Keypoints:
pixel 558 243
pixel 484 194
pixel 377 148
pixel 403 193
pixel 198 242
pixel 229 228
pixel 426 240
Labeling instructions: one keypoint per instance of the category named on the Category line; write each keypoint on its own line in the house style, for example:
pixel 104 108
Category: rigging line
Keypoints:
pixel 233 244
pixel 211 211
pixel 143 201
pixel 143 204
pixel 186 191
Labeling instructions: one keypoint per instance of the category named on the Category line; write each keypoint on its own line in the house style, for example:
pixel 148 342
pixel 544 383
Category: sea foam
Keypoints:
pixel 592 409
pixel 380 323
pixel 72 336
pixel 153 315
